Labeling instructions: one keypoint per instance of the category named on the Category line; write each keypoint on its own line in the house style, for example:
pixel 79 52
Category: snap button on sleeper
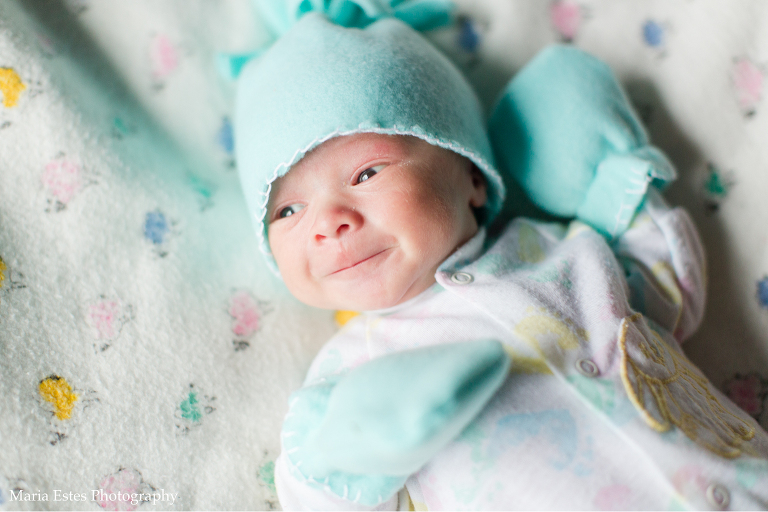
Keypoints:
pixel 587 368
pixel 718 496
pixel 462 278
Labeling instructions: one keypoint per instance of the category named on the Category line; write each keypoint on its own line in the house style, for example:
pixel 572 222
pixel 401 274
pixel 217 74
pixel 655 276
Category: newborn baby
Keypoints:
pixel 386 224
pixel 538 368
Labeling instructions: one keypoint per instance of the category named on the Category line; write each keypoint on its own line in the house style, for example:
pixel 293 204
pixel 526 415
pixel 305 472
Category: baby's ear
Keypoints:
pixel 479 188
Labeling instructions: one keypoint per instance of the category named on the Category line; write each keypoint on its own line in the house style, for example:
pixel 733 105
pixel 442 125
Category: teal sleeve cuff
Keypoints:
pixel 619 188
pixel 361 435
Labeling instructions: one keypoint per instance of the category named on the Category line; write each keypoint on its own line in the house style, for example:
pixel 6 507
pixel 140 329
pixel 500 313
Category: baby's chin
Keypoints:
pixel 357 302
pixel 360 298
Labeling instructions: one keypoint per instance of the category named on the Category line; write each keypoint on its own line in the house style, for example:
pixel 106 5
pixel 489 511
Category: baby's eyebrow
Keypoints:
pixel 394 145
pixel 373 151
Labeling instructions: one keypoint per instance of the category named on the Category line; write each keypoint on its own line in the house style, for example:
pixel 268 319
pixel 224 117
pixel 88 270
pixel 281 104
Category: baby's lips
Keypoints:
pixel 344 262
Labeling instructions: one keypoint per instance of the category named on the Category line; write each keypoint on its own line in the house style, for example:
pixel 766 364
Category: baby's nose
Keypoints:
pixel 334 221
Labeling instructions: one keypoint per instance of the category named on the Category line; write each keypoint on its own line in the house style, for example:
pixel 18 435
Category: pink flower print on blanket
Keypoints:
pixel 164 59
pixel 566 17
pixel 106 317
pixel 163 55
pixel 247 313
pixel 63 179
pixel 747 79
pixel 123 490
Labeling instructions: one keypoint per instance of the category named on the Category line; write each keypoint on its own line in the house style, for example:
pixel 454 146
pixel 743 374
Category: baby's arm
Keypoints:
pixel 352 438
pixel 346 350
pixel 564 128
pixel 665 266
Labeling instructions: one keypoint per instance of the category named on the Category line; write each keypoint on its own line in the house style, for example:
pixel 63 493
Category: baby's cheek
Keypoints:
pixel 301 289
pixel 280 244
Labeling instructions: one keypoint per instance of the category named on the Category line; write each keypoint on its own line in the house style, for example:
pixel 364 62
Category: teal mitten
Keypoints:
pixel 566 131
pixel 361 435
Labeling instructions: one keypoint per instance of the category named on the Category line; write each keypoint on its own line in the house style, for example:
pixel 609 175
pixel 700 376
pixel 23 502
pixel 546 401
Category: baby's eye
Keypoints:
pixel 290 210
pixel 369 173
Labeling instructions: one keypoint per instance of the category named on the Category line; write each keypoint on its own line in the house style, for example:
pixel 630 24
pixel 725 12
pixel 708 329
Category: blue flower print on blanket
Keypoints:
pixel 159 230
pixel 156 227
pixel 225 138
pixel 655 34
pixel 762 292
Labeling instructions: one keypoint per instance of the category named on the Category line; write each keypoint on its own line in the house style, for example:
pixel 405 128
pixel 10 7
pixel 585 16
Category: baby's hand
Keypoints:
pixel 363 434
pixel 567 133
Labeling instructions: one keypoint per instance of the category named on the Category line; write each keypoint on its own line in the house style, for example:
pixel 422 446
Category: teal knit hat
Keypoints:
pixel 321 80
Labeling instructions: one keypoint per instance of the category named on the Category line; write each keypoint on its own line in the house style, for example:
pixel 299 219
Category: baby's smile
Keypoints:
pixel 376 257
pixel 363 221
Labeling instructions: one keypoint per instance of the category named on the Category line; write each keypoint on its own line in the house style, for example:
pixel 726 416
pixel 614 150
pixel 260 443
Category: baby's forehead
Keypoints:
pixel 348 147
pixel 348 152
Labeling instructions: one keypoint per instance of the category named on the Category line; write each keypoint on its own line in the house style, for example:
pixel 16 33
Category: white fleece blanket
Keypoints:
pixel 146 352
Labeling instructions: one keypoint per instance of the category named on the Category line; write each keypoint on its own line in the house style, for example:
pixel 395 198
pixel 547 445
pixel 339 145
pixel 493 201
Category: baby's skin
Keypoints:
pixel 363 221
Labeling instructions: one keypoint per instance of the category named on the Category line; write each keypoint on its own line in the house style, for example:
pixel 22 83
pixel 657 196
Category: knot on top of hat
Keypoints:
pixel 281 15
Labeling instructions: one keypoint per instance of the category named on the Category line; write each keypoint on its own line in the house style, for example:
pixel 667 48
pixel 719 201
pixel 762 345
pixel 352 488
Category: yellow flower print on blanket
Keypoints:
pixel 10 86
pixel 669 390
pixel 3 268
pixel 58 392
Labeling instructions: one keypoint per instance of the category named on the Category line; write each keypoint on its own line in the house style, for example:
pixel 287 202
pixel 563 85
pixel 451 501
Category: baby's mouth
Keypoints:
pixel 360 262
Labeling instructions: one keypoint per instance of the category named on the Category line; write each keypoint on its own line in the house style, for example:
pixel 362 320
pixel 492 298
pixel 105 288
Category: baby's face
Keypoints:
pixel 363 221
